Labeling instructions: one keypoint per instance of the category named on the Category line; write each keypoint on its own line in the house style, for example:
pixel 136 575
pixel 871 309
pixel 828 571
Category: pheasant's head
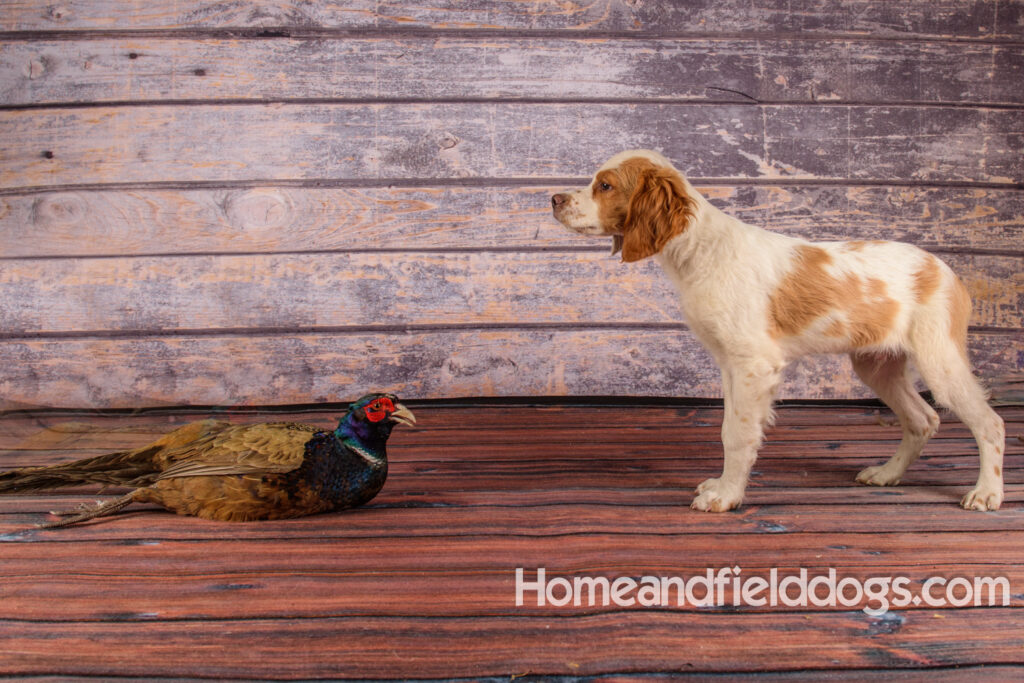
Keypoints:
pixel 369 421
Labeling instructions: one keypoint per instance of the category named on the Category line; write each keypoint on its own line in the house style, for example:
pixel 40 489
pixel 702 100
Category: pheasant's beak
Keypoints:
pixel 403 415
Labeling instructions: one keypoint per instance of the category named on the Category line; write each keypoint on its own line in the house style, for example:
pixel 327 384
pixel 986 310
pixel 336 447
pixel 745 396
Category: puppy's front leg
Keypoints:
pixel 749 390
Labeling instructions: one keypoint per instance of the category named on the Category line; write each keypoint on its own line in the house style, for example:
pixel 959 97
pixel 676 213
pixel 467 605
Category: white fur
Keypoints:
pixel 726 271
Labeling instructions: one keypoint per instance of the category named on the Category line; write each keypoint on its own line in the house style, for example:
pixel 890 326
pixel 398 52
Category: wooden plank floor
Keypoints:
pixel 421 583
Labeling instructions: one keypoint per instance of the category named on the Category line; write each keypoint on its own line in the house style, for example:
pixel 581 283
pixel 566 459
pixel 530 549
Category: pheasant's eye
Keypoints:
pixel 379 409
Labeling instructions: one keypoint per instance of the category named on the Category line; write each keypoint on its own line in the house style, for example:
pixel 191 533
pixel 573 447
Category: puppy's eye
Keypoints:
pixel 604 187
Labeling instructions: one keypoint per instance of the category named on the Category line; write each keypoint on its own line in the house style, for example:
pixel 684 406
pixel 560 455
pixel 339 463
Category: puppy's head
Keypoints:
pixel 637 197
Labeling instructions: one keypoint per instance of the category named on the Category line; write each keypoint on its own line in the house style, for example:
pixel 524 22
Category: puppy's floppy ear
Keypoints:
pixel 659 209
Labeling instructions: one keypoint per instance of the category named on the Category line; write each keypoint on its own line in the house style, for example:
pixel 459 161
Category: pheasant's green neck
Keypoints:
pixel 369 439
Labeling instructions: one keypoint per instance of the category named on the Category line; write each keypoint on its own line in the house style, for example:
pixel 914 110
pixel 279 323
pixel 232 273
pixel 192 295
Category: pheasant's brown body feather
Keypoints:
pixel 240 449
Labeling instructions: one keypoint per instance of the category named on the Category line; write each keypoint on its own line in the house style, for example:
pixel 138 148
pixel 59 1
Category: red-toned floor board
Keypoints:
pixel 421 582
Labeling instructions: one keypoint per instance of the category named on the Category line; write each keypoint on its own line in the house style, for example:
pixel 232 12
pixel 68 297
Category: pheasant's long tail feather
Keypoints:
pixel 120 468
pixel 138 467
pixel 90 512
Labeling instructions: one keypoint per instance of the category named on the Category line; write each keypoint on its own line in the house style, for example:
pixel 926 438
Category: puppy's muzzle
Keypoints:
pixel 559 203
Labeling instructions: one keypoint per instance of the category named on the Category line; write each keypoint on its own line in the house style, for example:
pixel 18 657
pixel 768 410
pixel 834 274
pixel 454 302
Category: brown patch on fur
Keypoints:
pixel 926 279
pixel 999 471
pixel 837 328
pixel 959 315
pixel 612 204
pixel 804 295
pixel 858 245
pixel 646 203
pixel 809 292
pixel 873 315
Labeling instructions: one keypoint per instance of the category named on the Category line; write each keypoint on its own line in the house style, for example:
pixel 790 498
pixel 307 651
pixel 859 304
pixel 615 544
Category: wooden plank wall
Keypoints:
pixel 289 202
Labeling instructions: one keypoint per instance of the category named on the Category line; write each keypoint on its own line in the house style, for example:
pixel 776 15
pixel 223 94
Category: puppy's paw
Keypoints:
pixel 879 475
pixel 983 498
pixel 707 484
pixel 714 496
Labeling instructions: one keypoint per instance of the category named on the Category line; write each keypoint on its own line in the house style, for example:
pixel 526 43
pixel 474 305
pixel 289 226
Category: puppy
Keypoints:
pixel 757 300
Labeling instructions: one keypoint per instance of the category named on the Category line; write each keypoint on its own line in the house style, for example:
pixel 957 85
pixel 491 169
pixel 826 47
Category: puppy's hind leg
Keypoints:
pixel 953 384
pixel 939 348
pixel 749 389
pixel 888 376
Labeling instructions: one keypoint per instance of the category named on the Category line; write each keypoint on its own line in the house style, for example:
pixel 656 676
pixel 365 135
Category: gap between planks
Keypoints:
pixel 491 182
pixel 747 100
pixel 342 33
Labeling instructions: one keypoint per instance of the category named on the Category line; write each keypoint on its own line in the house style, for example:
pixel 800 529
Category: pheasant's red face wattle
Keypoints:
pixel 379 409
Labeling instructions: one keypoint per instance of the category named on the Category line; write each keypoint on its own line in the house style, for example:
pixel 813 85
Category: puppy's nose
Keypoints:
pixel 558 200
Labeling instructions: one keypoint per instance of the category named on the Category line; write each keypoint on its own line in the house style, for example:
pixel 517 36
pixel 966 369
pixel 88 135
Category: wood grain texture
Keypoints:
pixel 234 166
pixel 672 478
pixel 226 587
pixel 500 140
pixel 73 432
pixel 303 368
pixel 395 517
pixel 317 594
pixel 364 646
pixel 41 72
pixel 290 219
pixel 806 497
pixel 577 462
pixel 967 19
pixel 494 553
pixel 356 290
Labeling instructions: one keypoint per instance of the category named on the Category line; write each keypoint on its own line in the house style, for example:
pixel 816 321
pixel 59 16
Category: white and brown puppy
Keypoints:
pixel 757 300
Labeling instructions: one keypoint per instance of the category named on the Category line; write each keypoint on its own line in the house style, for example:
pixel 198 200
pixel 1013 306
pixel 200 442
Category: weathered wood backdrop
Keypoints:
pixel 277 202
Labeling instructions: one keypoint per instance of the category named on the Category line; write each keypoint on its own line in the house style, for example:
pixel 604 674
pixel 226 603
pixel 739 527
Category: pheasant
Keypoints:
pixel 217 470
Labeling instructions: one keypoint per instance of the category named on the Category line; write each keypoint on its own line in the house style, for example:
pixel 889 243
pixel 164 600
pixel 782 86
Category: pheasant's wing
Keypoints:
pixel 242 449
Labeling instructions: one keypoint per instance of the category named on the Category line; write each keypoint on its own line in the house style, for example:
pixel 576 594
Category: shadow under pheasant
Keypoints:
pixel 217 470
